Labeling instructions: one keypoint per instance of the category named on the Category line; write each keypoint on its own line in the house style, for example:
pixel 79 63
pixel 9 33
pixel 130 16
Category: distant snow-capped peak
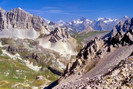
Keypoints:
pixel 77 21
pixel 126 17
pixel 82 20
pixel 61 21
pixel 106 20
pixel 99 24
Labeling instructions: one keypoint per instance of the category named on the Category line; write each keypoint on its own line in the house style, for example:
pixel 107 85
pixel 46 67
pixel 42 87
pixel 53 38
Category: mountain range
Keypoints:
pixel 36 53
pixel 18 23
pixel 99 24
pixel 77 25
pixel 33 46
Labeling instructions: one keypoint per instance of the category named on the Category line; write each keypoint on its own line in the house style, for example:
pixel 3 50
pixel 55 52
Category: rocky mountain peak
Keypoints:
pixel 20 21
pixel 99 58
pixel 123 27
pixel 60 41
pixel 59 33
pixel 126 17
pixel 19 10
pixel 20 24
pixel 81 24
pixel 19 18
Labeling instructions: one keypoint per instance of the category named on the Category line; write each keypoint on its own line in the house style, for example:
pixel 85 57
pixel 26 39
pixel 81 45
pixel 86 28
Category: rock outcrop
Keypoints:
pixel 87 53
pixel 18 23
pixel 58 34
pixel 59 40
pixel 103 62
pixel 122 34
pixel 120 77
pixel 18 18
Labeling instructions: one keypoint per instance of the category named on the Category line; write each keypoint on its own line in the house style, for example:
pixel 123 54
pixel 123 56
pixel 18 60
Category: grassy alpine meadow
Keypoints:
pixel 13 74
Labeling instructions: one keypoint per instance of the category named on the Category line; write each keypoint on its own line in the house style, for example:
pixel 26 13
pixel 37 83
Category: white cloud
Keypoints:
pixel 50 10
pixel 48 7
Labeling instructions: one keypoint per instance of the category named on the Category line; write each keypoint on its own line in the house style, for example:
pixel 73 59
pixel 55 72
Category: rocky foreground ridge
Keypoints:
pixel 103 63
pixel 120 77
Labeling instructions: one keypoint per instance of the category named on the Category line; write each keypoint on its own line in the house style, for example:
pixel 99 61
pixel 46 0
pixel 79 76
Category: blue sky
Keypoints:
pixel 72 9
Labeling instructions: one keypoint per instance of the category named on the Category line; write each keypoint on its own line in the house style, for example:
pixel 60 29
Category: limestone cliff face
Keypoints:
pixel 2 18
pixel 18 18
pixel 18 23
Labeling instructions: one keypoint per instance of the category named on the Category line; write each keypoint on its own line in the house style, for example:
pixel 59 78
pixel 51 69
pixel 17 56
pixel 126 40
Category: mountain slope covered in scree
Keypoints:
pixel 103 63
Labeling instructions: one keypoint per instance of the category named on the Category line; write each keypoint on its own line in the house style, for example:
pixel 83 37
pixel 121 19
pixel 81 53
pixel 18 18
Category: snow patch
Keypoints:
pixel 27 63
pixel 10 55
pixel 100 19
pixel 20 8
pixel 31 66
pixel 106 20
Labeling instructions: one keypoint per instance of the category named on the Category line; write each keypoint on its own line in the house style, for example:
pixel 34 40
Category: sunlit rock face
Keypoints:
pixel 102 62
pixel 21 24
pixel 32 44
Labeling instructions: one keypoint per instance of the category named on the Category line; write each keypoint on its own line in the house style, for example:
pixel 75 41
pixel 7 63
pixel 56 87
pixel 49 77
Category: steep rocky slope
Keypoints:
pixel 31 45
pixel 101 59
pixel 119 77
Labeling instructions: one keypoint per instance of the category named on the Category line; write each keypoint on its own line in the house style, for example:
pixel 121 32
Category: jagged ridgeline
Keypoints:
pixel 33 53
pixel 105 63
pixel 21 24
